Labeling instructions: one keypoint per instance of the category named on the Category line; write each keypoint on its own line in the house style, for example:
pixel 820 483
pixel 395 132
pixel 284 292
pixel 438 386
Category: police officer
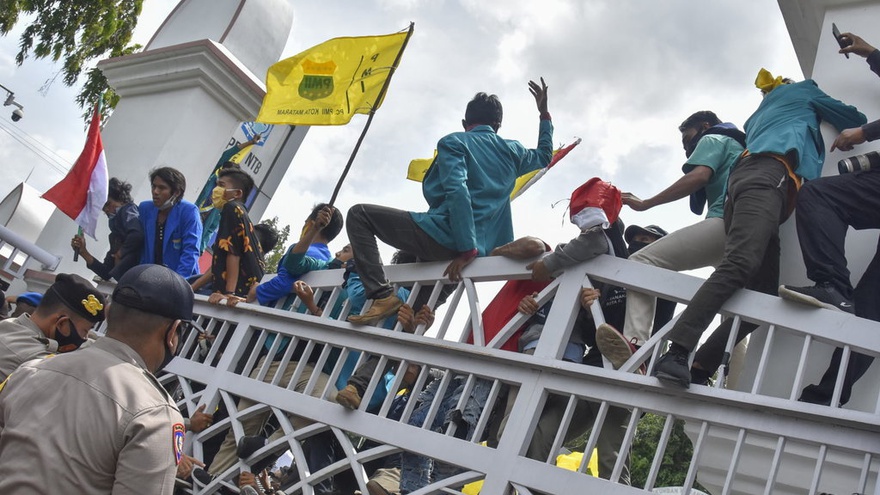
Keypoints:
pixel 61 323
pixel 97 421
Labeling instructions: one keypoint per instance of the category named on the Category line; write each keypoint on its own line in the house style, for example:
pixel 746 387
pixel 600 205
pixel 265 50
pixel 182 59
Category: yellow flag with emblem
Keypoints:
pixel 329 83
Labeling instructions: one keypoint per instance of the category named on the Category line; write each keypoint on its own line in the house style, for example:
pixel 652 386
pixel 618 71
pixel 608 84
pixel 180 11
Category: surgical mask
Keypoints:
pixel 111 215
pixel 70 342
pixel 168 204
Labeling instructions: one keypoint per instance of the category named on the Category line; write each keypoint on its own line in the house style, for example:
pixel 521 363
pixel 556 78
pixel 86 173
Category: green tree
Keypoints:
pixel 75 32
pixel 274 256
pixel 676 458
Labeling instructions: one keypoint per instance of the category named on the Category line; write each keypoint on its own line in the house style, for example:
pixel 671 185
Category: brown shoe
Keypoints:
pixel 613 345
pixel 349 397
pixel 376 489
pixel 381 309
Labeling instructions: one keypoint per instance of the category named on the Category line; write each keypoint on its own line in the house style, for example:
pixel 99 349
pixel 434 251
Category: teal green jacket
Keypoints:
pixel 787 123
pixel 469 184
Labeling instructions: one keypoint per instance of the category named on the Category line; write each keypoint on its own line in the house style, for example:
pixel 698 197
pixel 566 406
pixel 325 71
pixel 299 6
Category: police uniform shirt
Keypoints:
pixel 94 421
pixel 21 340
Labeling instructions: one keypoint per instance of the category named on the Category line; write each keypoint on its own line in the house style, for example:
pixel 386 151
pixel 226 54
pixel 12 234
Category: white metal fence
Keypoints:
pixel 753 441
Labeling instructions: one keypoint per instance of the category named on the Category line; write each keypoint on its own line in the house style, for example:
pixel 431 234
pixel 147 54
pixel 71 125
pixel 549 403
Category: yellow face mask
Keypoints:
pixel 218 199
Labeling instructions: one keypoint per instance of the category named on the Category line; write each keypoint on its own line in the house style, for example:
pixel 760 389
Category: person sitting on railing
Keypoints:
pixel 268 293
pixel 826 208
pixel 172 226
pixel 711 148
pixel 126 234
pixel 467 189
pixel 784 147
pixel 237 263
pixel 60 323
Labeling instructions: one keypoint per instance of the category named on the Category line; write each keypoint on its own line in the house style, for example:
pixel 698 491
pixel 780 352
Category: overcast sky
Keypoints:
pixel 622 76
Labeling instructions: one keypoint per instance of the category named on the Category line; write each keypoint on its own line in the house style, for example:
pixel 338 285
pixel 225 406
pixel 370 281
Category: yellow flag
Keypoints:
pixel 329 83
pixel 419 167
pixel 238 157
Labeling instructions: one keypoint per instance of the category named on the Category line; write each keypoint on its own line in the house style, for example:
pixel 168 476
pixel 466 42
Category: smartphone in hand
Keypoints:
pixel 840 40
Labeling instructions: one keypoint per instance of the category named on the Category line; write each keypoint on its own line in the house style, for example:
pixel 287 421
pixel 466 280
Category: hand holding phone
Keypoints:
pixel 843 42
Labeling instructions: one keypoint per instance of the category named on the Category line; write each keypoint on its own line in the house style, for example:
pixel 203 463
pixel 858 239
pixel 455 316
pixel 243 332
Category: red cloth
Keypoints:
pixel 83 191
pixel 503 308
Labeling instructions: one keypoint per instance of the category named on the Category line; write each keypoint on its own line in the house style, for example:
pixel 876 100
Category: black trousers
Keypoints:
pixel 826 208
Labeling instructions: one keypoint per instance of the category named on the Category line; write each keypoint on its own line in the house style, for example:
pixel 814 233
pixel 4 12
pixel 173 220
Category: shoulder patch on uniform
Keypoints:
pixel 178 432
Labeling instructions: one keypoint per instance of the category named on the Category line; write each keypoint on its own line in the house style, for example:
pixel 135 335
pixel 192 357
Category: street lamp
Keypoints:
pixel 18 113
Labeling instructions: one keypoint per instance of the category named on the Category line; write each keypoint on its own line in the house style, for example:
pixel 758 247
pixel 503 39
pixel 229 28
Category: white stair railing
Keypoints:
pixel 744 442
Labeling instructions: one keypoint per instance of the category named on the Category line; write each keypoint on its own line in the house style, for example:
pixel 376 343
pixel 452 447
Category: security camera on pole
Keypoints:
pixel 18 113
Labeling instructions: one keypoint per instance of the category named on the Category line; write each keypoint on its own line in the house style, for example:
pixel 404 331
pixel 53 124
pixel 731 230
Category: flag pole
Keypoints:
pixel 370 117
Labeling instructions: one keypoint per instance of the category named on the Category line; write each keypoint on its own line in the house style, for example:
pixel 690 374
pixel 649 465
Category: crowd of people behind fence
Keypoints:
pixel 101 416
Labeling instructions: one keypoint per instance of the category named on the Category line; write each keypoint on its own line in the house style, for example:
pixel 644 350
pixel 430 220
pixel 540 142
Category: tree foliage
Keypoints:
pixel 274 256
pixel 676 458
pixel 74 32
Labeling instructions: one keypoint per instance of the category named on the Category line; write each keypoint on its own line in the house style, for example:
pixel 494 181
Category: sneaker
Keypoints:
pixel 250 444
pixel 202 476
pixel 821 295
pixel 613 345
pixel 381 309
pixel 673 367
pixel 349 397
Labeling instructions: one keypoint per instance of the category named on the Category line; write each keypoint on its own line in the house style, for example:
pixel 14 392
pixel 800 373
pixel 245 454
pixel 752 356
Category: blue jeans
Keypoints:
pixel 418 471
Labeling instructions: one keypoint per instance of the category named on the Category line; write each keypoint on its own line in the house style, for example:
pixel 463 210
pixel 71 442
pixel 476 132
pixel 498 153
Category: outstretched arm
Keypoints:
pixel 692 181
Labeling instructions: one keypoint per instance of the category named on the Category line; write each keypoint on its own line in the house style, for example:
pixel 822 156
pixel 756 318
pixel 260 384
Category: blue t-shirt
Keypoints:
pixel 719 153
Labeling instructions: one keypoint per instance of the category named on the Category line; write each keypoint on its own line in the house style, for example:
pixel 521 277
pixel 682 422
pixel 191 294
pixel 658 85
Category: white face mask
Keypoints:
pixel 168 204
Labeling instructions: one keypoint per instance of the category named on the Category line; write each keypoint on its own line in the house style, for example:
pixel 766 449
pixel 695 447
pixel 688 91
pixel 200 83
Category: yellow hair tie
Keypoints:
pixel 766 82
pixel 92 305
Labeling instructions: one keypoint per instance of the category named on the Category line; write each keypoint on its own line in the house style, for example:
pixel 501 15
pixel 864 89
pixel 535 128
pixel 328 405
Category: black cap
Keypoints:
pixel 157 290
pixel 634 230
pixel 80 296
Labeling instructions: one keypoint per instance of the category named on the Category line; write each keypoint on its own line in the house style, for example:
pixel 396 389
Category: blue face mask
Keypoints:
pixel 111 215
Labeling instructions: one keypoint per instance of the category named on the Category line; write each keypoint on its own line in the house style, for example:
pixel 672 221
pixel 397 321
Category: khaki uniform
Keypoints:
pixel 20 341
pixel 94 421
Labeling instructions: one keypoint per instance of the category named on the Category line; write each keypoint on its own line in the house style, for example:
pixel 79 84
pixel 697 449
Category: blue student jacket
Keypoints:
pixel 787 120
pixel 183 229
pixel 469 183
pixel 281 285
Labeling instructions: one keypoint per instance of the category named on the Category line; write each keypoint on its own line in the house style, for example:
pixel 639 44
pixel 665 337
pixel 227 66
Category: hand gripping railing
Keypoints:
pixel 743 442
pixel 16 253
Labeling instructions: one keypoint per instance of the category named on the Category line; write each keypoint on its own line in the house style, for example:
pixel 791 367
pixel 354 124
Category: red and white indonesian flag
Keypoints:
pixel 82 193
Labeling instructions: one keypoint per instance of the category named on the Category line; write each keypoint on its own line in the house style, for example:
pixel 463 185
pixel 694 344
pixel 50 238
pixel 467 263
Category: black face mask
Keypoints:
pixel 634 246
pixel 70 342
pixel 168 354
pixel 692 144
